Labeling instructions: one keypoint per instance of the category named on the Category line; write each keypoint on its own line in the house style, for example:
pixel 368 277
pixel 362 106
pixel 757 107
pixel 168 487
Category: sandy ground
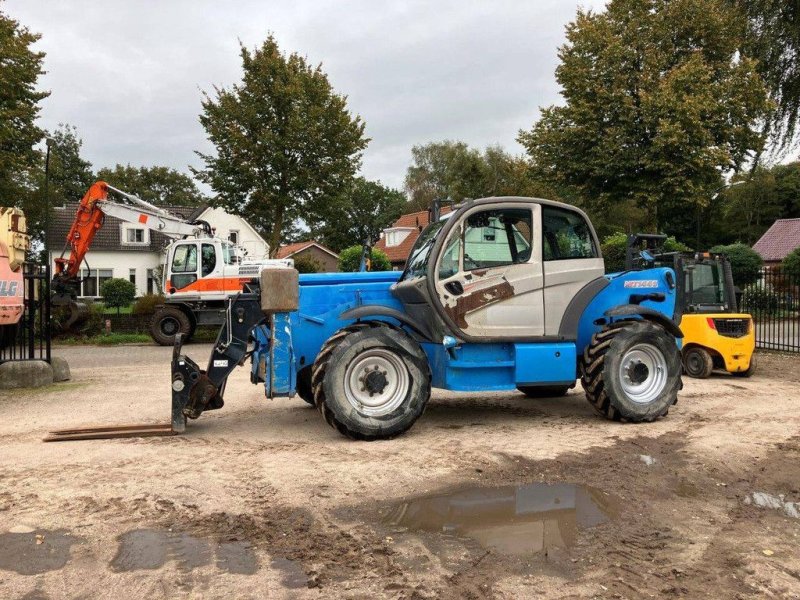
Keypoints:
pixel 262 499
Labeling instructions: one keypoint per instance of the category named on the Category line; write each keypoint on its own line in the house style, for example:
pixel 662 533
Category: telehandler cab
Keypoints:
pixel 503 293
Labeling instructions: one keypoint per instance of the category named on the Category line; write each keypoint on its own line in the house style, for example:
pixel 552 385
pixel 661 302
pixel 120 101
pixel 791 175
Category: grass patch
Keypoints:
pixel 123 310
pixel 111 339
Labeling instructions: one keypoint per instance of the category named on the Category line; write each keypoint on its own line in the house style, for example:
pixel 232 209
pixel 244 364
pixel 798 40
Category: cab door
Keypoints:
pixel 183 267
pixel 488 276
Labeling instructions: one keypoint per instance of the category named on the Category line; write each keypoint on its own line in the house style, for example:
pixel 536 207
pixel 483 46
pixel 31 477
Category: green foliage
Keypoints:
pixel 659 102
pixel 117 292
pixel 146 305
pixel 760 300
pixel 287 147
pixel 161 186
pixel 614 246
pixel 369 207
pixel 350 260
pixel 791 265
pixel 306 264
pixel 746 263
pixel 452 170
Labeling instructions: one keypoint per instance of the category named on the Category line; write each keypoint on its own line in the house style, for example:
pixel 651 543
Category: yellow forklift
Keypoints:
pixel 715 334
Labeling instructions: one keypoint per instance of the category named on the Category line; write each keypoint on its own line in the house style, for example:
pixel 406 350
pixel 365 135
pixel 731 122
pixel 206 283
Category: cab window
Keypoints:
pixel 566 235
pixel 185 259
pixel 495 238
pixel 208 259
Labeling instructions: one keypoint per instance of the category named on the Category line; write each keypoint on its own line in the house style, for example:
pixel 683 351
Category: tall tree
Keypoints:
pixel 370 208
pixel 659 103
pixel 286 144
pixel 452 170
pixel 161 186
pixel 20 68
pixel 70 174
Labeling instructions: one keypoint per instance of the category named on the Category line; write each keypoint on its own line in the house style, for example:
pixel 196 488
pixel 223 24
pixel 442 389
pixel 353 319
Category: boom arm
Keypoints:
pixel 92 210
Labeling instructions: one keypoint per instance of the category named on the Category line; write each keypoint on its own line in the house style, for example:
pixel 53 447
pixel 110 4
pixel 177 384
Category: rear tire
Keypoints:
pixel 544 391
pixel 697 362
pixel 371 381
pixel 631 371
pixel 168 322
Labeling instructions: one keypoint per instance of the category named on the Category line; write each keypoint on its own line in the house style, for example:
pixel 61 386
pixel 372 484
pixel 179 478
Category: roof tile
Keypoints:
pixel 779 240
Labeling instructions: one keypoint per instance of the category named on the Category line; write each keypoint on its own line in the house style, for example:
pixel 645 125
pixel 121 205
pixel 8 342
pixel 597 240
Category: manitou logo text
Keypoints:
pixel 8 288
pixel 642 283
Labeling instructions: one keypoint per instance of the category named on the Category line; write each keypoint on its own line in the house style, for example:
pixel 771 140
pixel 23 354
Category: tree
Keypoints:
pixel 20 68
pixel 745 262
pixel 750 208
pixel 287 146
pixel 659 103
pixel 369 208
pixel 791 265
pixel 350 260
pixel 452 170
pixel 306 264
pixel 117 293
pixel 161 186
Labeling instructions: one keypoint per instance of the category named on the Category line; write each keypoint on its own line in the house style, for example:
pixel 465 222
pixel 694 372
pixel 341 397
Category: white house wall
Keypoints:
pixel 223 223
pixel 121 263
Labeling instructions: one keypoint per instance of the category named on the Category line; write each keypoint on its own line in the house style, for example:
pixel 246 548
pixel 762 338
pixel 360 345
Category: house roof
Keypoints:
pixel 779 240
pixel 292 249
pixel 109 236
pixel 416 220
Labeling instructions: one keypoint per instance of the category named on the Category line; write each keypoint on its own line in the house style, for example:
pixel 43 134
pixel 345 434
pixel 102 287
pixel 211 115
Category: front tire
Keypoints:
pixel 168 322
pixel 544 391
pixel 697 362
pixel 371 381
pixel 304 389
pixel 631 371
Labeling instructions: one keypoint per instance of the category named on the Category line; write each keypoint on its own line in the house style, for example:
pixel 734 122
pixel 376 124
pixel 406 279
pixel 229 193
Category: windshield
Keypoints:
pixel 417 263
pixel 705 286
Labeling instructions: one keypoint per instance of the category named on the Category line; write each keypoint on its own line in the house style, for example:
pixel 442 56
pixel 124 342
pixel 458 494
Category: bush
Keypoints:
pixel 146 305
pixel 117 293
pixel 746 263
pixel 760 300
pixel 614 246
pixel 791 265
pixel 306 264
pixel 350 260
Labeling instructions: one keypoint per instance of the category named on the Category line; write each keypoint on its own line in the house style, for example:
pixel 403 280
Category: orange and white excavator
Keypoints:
pixel 200 270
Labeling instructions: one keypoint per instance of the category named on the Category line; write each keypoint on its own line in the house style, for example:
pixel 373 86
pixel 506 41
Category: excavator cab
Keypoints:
pixel 208 265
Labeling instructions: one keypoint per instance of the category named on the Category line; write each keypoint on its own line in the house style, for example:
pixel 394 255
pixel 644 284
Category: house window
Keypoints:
pixel 151 281
pixel 132 276
pixel 93 280
pixel 134 235
pixel 233 236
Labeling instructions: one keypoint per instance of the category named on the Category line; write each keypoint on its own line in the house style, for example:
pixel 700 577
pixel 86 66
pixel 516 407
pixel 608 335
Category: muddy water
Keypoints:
pixel 144 549
pixel 513 520
pixel 35 552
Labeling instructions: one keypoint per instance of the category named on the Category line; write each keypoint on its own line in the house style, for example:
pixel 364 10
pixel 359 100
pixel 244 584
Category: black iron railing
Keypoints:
pixel 774 302
pixel 30 338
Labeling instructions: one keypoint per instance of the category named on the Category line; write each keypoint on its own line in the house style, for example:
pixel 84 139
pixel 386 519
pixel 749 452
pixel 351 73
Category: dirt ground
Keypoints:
pixel 263 500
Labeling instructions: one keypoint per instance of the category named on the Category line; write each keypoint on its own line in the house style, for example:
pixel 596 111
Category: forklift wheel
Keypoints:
pixel 631 371
pixel 371 381
pixel 169 321
pixel 544 391
pixel 697 362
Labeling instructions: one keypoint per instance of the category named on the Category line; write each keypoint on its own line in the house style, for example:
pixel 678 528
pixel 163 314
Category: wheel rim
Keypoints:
pixel 643 373
pixel 376 382
pixel 693 363
pixel 169 326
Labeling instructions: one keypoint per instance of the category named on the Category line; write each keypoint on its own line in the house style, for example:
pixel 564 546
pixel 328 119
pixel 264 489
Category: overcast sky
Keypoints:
pixel 129 74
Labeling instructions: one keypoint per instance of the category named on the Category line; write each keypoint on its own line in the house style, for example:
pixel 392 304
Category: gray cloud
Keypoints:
pixel 129 75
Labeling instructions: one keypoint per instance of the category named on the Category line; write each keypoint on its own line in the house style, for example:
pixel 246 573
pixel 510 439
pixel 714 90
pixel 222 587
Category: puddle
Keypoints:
pixel 513 520
pixel 764 500
pixel 145 549
pixel 36 551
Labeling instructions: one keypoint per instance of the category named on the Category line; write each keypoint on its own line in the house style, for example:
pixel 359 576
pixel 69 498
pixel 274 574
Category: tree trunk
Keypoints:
pixel 275 234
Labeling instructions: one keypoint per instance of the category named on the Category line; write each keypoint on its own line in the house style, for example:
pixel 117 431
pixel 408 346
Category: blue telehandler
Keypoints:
pixel 501 294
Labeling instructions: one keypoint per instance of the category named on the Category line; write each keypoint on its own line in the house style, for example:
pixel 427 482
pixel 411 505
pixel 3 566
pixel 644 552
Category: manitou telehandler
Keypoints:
pixel 715 334
pixel 200 271
pixel 501 294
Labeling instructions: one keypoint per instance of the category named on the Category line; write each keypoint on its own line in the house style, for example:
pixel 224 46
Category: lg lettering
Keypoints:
pixel 8 288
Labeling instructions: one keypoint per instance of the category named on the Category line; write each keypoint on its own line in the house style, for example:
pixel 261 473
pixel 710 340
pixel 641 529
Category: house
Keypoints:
pixel 778 241
pixel 134 252
pixel 396 241
pixel 327 259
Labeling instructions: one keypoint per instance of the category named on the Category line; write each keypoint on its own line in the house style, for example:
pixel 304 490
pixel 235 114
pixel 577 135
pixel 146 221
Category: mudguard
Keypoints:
pixel 376 310
pixel 625 310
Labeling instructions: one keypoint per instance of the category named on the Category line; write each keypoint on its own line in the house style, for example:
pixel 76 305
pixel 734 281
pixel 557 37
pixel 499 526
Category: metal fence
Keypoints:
pixel 774 302
pixel 30 340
